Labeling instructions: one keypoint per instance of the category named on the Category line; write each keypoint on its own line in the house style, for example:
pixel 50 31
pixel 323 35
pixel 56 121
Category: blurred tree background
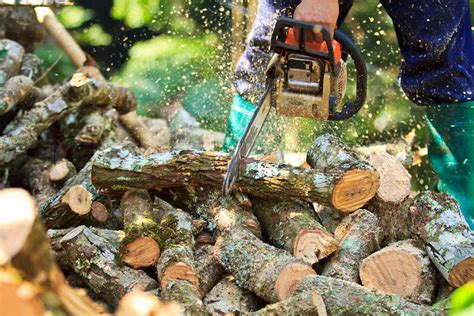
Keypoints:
pixel 168 49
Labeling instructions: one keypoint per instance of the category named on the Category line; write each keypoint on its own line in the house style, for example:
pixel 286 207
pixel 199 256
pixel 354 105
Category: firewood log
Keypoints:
pixel 17 90
pixel 145 304
pixel 223 213
pixel 347 298
pixel 10 64
pixel 269 272
pixel 438 222
pixel 330 217
pixel 346 190
pixel 228 298
pixel 204 238
pixel 177 241
pixel 359 235
pixel 328 153
pixel 402 268
pixel 94 126
pixel 22 133
pixel 292 226
pixel 184 293
pixel 150 133
pixel 98 268
pixel 140 247
pixel 304 303
pixel 400 149
pixel 55 236
pixel 30 281
pixel 31 67
pixel 208 269
pixel 62 171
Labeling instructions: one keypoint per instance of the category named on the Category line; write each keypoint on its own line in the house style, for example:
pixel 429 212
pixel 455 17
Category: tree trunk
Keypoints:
pixel 305 303
pixel 438 222
pixel 10 64
pixel 328 153
pixel 92 257
pixel 184 168
pixel 208 269
pixel 16 91
pixel 140 247
pixel 292 226
pixel 359 235
pixel 30 280
pixel 402 268
pixel 150 133
pixel 347 298
pixel 228 298
pixel 269 272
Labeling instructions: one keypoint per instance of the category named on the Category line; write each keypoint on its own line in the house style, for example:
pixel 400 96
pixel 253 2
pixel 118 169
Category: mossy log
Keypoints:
pixel 359 235
pixel 150 133
pixel 10 64
pixel 269 272
pixel 438 222
pixel 31 67
pixel 208 268
pixel 328 153
pixel 22 133
pixel 16 91
pixel 186 295
pixel 307 303
pixel 30 281
pixel 228 298
pixel 347 298
pixel 291 225
pixel 184 168
pixel 177 241
pixel 223 213
pixel 145 304
pixel 92 257
pixel 401 268
pixel 140 247
pixel 74 200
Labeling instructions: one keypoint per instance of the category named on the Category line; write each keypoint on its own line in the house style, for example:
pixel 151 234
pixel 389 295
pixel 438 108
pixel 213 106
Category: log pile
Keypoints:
pixel 132 210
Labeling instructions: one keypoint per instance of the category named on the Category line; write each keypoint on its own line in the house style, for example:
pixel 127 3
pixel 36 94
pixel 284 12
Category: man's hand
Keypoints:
pixel 322 12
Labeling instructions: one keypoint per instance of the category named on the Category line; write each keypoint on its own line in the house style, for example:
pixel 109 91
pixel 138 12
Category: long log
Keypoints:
pixel 269 272
pixel 347 298
pixel 359 235
pixel 10 64
pixel 228 298
pixel 140 247
pixel 329 153
pixel 17 90
pixel 304 303
pixel 208 268
pixel 30 281
pixel 293 227
pixel 150 133
pixel 346 189
pixel 402 268
pixel 98 268
pixel 437 220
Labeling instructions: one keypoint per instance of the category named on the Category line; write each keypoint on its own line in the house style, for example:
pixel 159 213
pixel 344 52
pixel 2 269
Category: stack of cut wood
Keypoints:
pixel 139 222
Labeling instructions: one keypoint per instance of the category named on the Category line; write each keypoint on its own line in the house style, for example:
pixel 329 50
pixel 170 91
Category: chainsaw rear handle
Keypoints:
pixel 279 46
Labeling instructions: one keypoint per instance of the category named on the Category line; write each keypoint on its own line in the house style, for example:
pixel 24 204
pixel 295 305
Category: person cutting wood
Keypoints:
pixel 435 40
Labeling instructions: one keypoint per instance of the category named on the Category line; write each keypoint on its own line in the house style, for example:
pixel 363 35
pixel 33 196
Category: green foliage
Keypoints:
pixel 93 35
pixel 462 300
pixel 58 65
pixel 74 16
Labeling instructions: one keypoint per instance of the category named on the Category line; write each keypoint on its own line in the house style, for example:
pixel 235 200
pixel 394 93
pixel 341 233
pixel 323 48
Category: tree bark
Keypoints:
pixel 304 303
pixel 31 67
pixel 402 268
pixel 26 257
pixel 150 133
pixel 184 168
pixel 347 298
pixel 292 226
pixel 330 217
pixel 329 153
pixel 92 257
pixel 94 126
pixel 269 272
pixel 359 235
pixel 438 222
pixel 11 63
pixel 184 293
pixel 208 269
pixel 21 25
pixel 228 298
pixel 140 247
pixel 16 91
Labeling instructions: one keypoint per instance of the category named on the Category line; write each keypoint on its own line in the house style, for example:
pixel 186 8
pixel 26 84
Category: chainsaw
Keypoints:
pixel 303 79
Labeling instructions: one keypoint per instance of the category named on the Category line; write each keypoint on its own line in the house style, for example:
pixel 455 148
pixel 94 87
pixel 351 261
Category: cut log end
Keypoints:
pixel 462 273
pixel 313 245
pixel 60 170
pixel 140 253
pixel 289 279
pixel 78 199
pixel 394 272
pixel 354 189
pixel 179 271
pixel 99 212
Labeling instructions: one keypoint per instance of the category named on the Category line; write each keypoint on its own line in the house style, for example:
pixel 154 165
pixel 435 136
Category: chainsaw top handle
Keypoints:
pixel 283 41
